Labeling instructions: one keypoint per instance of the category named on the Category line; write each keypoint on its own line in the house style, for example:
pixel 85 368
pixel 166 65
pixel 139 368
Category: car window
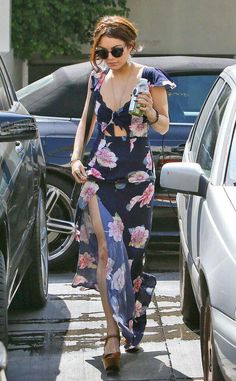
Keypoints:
pixel 4 102
pixel 37 85
pixel 231 168
pixel 196 133
pixel 186 100
pixel 208 142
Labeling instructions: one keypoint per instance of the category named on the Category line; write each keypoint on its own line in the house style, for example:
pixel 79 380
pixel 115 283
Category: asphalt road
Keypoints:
pixel 61 342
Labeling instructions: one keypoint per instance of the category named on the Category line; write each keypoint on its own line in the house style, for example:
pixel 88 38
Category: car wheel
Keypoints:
pixel 188 304
pixel 33 291
pixel 3 301
pixel 211 367
pixel 60 223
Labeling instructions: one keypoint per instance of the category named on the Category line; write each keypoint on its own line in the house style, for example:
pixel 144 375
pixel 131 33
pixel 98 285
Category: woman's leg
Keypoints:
pixel 112 328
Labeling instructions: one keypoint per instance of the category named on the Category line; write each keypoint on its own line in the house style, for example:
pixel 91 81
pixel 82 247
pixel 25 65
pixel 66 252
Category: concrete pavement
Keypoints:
pixel 62 341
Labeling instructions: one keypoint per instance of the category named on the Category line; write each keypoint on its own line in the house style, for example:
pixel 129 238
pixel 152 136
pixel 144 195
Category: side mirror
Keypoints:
pixel 17 127
pixel 184 178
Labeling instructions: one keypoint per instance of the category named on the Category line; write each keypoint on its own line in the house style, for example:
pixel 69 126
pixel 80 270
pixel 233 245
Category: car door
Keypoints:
pixel 16 171
pixel 200 149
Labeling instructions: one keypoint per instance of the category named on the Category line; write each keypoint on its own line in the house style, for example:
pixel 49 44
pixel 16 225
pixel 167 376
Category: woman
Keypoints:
pixel 114 206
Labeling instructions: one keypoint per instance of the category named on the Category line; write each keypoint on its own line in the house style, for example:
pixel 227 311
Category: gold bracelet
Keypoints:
pixel 157 118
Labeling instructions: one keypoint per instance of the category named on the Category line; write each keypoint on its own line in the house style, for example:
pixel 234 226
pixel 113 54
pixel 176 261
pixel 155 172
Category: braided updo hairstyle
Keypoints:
pixel 114 27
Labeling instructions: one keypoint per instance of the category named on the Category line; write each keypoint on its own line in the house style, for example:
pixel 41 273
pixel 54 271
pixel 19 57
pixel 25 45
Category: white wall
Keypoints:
pixel 14 68
pixel 202 27
pixel 5 9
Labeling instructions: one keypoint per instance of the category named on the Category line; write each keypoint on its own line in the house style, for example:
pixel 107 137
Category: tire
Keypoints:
pixel 188 304
pixel 210 364
pixel 3 302
pixel 33 291
pixel 60 222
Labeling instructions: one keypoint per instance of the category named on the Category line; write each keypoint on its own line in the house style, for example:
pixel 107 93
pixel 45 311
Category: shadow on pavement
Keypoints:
pixel 37 341
pixel 140 366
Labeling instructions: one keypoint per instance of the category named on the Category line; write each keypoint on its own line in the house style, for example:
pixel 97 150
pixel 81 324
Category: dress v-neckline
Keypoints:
pixel 109 108
pixel 126 103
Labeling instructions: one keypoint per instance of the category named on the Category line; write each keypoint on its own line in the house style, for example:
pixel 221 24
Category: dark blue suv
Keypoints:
pixel 23 235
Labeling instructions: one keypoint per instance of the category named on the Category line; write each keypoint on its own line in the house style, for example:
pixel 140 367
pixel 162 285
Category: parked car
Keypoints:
pixel 60 96
pixel 23 234
pixel 206 182
pixel 3 362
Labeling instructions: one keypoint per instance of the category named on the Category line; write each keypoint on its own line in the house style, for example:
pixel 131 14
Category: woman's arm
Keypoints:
pixel 80 133
pixel 78 170
pixel 156 100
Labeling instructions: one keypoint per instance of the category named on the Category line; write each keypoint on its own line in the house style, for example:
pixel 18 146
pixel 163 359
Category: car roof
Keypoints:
pixel 231 71
pixel 190 64
pixel 65 92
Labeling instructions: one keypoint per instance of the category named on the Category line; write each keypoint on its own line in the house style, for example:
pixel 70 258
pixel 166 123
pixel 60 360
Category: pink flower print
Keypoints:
pixel 118 280
pixel 95 173
pixel 116 228
pixel 139 236
pixel 100 77
pixel 103 126
pixel 92 161
pixel 138 309
pixel 147 195
pixel 78 279
pixel 77 234
pixel 137 177
pixel 137 127
pixel 83 234
pixel 101 144
pixel 130 324
pixel 109 267
pixel 88 190
pixel 86 260
pixel 144 199
pixel 137 283
pixel 132 202
pixel 106 158
pixel 148 161
pixel 132 141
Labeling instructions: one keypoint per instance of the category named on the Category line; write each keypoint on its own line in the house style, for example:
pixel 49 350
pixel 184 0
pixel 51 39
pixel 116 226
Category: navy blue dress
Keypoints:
pixel 121 173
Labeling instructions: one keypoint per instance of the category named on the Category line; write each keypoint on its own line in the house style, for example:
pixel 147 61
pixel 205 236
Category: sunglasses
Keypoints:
pixel 103 53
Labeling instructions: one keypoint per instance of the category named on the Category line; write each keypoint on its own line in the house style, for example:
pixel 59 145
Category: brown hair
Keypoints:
pixel 115 27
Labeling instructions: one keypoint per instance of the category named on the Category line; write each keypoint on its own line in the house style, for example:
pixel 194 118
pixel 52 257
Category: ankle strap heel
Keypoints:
pixel 111 361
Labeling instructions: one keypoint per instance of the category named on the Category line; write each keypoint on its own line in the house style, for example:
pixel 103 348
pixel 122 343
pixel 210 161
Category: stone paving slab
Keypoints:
pixel 61 342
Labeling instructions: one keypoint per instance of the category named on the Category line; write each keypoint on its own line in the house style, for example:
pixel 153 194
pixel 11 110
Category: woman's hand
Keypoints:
pixel 78 171
pixel 145 103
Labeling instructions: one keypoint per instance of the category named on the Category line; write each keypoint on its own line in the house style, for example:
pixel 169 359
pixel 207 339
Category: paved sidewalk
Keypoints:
pixel 62 341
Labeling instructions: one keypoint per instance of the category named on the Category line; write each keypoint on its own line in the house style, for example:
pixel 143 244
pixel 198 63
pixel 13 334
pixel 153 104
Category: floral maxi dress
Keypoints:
pixel 121 174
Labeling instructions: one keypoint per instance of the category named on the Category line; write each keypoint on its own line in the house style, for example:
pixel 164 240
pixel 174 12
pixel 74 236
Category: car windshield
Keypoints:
pixel 187 98
pixel 31 88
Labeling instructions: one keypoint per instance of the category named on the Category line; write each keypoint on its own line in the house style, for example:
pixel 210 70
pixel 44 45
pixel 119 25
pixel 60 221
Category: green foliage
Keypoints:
pixel 47 28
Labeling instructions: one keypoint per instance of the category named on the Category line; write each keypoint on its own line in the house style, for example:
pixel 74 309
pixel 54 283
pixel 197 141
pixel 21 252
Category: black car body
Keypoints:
pixel 61 96
pixel 23 237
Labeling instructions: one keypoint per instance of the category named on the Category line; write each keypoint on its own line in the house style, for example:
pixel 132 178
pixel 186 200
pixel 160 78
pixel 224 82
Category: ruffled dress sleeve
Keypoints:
pixel 157 77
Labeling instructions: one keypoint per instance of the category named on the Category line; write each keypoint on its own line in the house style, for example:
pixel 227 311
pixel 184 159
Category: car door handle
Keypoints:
pixel 19 148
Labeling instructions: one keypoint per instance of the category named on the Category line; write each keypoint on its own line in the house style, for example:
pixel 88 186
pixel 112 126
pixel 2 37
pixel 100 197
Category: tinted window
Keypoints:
pixel 186 100
pixel 231 169
pixel 211 130
pixel 200 124
pixel 4 103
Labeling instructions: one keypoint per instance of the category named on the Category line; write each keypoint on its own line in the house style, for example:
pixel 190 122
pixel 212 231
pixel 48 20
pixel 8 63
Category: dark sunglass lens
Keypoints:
pixel 102 53
pixel 117 52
